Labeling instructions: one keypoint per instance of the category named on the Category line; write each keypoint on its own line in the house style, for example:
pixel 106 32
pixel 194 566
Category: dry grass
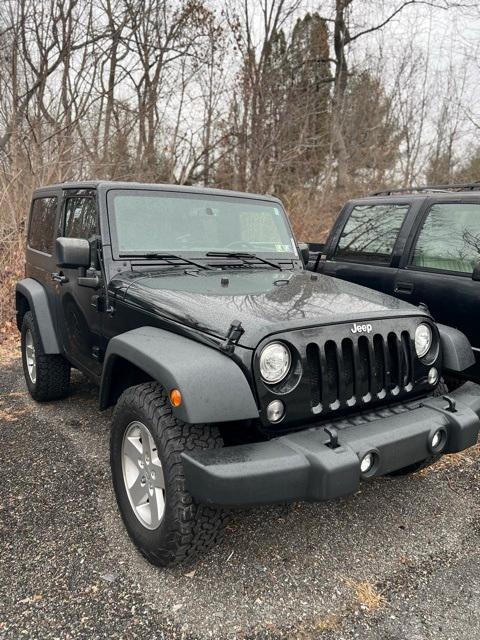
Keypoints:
pixel 9 343
pixel 12 268
pixel 452 461
pixel 367 595
pixel 325 624
pixel 330 622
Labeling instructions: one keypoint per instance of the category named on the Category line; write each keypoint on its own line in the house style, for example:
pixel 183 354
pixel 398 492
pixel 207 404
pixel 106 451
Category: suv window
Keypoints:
pixel 449 239
pixel 42 224
pixel 80 217
pixel 371 232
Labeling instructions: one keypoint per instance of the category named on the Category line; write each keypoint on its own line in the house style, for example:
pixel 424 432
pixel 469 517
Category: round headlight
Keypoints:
pixel 423 340
pixel 275 362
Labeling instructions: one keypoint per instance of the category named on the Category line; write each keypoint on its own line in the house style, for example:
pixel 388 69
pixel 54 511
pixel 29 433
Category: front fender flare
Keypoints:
pixel 213 387
pixel 456 349
pixel 37 298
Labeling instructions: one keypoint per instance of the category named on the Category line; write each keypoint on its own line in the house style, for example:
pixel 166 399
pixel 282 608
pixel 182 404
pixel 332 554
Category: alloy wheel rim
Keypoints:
pixel 143 475
pixel 30 356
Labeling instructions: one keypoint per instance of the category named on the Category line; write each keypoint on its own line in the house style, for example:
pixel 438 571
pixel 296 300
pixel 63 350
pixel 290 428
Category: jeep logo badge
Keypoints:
pixel 361 328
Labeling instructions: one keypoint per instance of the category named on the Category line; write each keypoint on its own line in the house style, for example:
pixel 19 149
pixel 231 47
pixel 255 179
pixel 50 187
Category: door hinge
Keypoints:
pixel 99 303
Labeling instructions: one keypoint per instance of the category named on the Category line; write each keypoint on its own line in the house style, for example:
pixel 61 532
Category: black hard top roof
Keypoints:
pixel 112 184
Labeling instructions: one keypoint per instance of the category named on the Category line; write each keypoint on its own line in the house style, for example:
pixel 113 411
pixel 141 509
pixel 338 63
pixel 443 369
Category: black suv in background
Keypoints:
pixel 237 376
pixel 421 245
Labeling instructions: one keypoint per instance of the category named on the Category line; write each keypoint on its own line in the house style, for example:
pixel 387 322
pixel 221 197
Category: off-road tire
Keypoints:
pixel 187 528
pixel 52 370
pixel 441 390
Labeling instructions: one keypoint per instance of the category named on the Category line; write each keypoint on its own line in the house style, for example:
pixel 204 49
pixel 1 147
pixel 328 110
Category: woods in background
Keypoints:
pixel 300 99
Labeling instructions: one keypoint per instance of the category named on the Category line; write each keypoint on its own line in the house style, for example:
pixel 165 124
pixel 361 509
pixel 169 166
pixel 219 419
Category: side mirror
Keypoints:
pixel 304 251
pixel 73 252
pixel 476 272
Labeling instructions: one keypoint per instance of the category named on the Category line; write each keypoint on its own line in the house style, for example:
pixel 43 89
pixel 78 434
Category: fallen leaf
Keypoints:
pixel 35 598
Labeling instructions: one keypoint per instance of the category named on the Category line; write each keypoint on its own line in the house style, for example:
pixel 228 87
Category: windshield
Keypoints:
pixel 145 221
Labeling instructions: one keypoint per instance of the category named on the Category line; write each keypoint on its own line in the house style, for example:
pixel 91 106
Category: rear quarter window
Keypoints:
pixel 42 224
pixel 449 239
pixel 371 232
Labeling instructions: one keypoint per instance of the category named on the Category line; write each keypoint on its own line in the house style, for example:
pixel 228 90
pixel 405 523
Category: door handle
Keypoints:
pixel 59 277
pixel 403 287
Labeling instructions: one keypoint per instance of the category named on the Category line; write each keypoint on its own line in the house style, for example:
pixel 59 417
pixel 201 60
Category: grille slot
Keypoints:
pixel 313 359
pixel 359 370
pixel 330 374
pixel 348 368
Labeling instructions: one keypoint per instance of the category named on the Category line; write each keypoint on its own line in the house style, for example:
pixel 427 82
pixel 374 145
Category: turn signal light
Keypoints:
pixel 175 397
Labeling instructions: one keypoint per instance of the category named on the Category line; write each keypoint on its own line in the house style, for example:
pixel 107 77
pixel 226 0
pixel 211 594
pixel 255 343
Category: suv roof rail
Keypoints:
pixel 466 186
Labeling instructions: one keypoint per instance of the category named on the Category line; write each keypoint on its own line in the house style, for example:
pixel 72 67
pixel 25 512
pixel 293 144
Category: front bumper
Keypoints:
pixel 302 465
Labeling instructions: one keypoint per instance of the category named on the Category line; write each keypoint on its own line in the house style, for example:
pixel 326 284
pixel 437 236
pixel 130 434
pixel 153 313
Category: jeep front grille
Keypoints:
pixel 357 370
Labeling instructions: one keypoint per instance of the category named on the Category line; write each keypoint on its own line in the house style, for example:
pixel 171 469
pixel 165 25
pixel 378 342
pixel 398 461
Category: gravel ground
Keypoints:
pixel 396 560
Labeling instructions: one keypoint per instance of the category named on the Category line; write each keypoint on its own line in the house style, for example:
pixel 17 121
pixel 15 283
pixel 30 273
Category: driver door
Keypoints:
pixel 79 322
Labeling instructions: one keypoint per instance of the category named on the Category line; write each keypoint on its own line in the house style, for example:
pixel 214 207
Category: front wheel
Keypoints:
pixel 147 441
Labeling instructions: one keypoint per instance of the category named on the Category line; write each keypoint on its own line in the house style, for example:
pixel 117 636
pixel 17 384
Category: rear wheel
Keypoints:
pixel 47 375
pixel 147 441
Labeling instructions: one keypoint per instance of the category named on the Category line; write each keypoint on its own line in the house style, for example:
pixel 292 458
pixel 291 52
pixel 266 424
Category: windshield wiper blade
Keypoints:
pixel 168 257
pixel 242 256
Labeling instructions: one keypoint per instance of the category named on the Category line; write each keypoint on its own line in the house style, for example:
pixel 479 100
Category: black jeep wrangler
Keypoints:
pixel 238 377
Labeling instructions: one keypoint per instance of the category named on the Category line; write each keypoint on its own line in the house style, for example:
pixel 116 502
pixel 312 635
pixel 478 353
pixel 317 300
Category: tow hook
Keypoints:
pixel 333 435
pixel 452 405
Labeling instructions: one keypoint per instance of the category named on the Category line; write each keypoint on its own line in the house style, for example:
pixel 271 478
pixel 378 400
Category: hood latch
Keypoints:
pixel 234 334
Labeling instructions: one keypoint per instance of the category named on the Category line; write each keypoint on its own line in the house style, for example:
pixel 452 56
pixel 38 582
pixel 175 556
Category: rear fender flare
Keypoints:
pixel 213 387
pixel 37 299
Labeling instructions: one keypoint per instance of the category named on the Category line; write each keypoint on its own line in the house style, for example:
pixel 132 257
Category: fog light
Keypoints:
pixel 366 463
pixel 275 411
pixel 433 376
pixel 437 440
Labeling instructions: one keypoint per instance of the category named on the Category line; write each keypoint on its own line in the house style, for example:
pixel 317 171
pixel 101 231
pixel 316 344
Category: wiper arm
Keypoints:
pixel 168 257
pixel 242 256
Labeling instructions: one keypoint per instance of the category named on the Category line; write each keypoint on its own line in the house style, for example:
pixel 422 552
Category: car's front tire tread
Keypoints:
pixel 188 528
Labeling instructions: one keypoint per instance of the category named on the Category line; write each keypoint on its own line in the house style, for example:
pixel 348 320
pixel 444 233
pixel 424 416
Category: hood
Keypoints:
pixel 265 301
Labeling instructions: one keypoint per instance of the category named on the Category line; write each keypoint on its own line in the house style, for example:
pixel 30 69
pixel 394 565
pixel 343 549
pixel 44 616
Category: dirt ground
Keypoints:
pixel 399 559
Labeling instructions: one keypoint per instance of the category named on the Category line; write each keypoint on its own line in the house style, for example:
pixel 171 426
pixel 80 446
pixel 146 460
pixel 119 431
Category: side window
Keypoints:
pixel 42 224
pixel 80 218
pixel 449 239
pixel 371 232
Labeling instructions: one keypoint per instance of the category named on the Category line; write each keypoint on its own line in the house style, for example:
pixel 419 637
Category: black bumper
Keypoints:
pixel 302 465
